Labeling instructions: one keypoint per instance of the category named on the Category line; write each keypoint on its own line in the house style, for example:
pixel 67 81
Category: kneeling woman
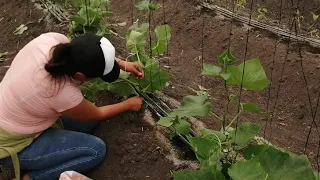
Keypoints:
pixel 40 88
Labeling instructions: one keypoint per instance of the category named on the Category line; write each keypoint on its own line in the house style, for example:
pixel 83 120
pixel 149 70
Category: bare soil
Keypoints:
pixel 133 149
pixel 287 9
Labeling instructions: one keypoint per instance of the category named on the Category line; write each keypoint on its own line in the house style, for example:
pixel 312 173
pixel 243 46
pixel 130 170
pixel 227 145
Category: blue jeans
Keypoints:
pixel 59 150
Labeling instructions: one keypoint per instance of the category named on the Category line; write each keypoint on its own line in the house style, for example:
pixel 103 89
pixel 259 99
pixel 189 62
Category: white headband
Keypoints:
pixel 108 53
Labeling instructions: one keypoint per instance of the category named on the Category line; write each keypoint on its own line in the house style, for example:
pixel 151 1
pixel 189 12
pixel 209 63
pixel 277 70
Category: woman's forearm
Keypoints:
pixel 110 111
pixel 122 64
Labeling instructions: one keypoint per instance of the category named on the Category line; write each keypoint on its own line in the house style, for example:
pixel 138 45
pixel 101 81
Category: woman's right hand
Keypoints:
pixel 134 103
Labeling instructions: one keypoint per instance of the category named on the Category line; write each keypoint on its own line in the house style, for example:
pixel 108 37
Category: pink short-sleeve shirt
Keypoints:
pixel 30 100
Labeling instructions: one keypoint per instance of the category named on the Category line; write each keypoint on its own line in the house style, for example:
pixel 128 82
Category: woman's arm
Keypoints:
pixel 87 111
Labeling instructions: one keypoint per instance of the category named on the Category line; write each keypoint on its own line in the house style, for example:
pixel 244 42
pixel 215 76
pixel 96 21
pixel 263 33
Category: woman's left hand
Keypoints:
pixel 134 68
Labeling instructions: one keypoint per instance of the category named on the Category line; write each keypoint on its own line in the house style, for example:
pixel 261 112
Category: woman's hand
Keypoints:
pixel 134 68
pixel 134 103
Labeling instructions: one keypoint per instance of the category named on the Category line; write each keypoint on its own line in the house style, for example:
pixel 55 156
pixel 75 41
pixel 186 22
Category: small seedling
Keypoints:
pixel 262 11
pixel 20 30
pixel 2 55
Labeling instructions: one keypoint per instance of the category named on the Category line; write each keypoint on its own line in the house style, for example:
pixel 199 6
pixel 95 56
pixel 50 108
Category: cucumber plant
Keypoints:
pixel 89 18
pixel 136 41
pixel 235 153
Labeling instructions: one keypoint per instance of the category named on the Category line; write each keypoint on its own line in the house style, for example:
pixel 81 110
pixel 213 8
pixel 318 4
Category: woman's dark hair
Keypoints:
pixel 60 64
pixel 60 67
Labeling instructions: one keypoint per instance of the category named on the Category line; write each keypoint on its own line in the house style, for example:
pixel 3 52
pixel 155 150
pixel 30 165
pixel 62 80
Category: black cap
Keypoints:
pixel 94 56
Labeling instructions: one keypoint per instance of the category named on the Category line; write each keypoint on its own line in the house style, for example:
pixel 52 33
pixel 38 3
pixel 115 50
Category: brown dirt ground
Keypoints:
pixel 273 7
pixel 131 151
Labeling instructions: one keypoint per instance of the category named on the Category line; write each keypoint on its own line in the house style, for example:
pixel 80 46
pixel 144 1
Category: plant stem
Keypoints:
pixel 137 53
pixel 150 38
pixel 215 115
pixel 234 119
pixel 130 82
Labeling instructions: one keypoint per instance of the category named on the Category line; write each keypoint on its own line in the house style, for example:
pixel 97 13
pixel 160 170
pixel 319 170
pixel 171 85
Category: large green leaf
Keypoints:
pixel 154 77
pixel 254 150
pixel 142 28
pixel 272 164
pixel 254 76
pixel 210 69
pixel 244 134
pixel 120 87
pixel 247 171
pixel 136 39
pixel 78 19
pixel 282 165
pixel 316 175
pixel 165 121
pixel 198 175
pixel 207 150
pixel 220 135
pixel 163 36
pixel 251 107
pixel 225 76
pixel 182 127
pixel 194 106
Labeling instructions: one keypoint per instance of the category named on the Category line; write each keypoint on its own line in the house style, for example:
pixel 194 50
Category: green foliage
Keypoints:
pixel 262 11
pixel 89 17
pixel 147 5
pixel 163 36
pixel 254 77
pixel 244 134
pixel 207 149
pixel 210 69
pixel 274 164
pixel 155 78
pixel 240 4
pixel 247 170
pixel 234 153
pixel 226 58
pixel 182 127
pixel 199 175
pixel 251 107
pixel 191 106
pixel 251 76
pixel 2 55
pixel 136 40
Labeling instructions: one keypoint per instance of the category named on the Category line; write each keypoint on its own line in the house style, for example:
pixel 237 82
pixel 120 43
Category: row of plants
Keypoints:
pixel 145 45
pixel 235 153
pixel 90 17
